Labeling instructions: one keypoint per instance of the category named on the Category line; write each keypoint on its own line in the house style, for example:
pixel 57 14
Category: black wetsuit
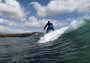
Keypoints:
pixel 49 26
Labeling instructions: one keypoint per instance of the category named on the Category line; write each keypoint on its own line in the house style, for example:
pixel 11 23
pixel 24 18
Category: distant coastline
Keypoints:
pixel 19 34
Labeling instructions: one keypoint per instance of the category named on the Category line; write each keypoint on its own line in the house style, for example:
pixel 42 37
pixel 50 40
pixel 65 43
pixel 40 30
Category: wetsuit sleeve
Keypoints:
pixel 45 26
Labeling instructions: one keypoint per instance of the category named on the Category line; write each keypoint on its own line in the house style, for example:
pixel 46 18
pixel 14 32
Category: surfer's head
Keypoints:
pixel 49 22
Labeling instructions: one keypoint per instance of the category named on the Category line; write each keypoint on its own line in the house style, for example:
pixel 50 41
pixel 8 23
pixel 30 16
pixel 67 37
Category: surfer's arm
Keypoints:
pixel 45 27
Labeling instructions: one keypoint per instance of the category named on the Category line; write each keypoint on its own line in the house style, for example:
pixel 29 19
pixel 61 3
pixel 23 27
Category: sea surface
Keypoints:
pixel 70 44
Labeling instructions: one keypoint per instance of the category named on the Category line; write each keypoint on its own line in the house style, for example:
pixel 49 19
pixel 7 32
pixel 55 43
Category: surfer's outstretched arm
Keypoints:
pixel 45 26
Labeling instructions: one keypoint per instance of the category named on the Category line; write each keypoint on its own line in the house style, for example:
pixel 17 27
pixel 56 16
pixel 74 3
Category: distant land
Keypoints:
pixel 19 34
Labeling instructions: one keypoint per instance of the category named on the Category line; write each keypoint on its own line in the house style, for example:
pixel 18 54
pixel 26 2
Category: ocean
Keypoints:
pixel 70 44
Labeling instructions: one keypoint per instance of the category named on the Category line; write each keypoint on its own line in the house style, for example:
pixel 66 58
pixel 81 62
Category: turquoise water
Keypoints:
pixel 71 47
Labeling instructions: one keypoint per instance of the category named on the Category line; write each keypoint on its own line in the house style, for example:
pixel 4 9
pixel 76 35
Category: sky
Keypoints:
pixel 18 16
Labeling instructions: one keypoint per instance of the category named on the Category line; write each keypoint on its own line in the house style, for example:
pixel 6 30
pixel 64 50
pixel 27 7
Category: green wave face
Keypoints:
pixel 74 46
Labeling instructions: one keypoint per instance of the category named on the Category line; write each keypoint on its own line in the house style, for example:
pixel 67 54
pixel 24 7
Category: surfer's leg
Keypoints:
pixel 47 31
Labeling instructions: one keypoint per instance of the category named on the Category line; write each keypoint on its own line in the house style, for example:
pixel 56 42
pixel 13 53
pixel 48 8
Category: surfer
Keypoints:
pixel 49 27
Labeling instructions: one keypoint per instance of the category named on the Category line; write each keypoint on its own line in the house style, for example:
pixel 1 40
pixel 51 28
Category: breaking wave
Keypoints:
pixel 56 34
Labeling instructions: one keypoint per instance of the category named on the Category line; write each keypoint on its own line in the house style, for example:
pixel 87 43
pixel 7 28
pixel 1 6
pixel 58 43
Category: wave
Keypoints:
pixel 68 45
pixel 56 34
